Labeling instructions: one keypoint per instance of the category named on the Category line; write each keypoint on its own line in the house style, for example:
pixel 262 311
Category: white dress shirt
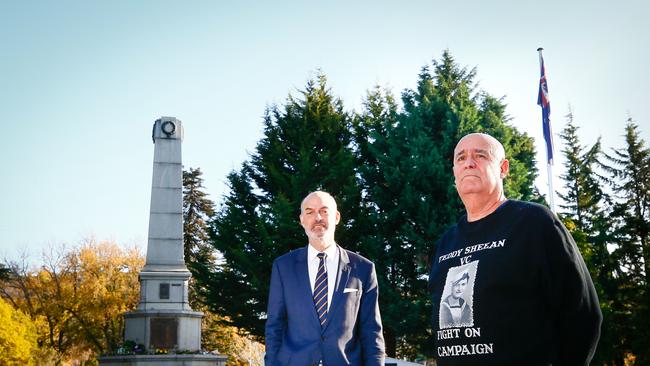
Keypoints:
pixel 331 264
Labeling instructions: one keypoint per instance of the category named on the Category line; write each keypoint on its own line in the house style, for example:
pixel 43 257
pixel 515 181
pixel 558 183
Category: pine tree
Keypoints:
pixel 306 146
pixel 583 197
pixel 197 211
pixel 586 217
pixel 373 128
pixel 411 197
pixel 584 201
pixel 390 172
pixel 410 192
pixel 629 169
pixel 631 172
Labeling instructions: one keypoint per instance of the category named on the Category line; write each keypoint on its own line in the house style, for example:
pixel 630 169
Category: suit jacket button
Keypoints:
pixel 322 338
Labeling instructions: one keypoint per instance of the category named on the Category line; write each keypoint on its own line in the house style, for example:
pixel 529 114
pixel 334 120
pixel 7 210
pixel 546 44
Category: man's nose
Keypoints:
pixel 470 162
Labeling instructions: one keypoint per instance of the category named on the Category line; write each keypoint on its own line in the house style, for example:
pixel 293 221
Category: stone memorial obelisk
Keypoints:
pixel 164 322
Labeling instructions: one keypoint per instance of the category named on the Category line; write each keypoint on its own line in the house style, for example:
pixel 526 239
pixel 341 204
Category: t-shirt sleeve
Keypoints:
pixel 570 294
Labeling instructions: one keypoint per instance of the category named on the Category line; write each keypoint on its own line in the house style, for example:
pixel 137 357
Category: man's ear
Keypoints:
pixel 505 168
pixel 338 217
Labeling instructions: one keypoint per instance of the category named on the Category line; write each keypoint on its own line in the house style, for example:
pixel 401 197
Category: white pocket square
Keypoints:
pixel 345 291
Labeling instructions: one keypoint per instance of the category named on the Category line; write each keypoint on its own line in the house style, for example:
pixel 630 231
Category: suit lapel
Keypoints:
pixel 304 290
pixel 342 276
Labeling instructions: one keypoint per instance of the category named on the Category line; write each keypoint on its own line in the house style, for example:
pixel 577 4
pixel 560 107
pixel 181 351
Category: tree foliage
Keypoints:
pixel 306 146
pixel 231 341
pixel 390 171
pixel 17 336
pixel 585 206
pixel 78 297
pixel 611 229
pixel 582 200
pixel 628 172
pixel 408 185
pixel 4 272
pixel 216 332
pixel 197 210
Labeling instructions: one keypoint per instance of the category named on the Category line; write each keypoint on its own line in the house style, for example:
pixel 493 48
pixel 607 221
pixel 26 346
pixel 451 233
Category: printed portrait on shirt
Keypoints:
pixel 457 301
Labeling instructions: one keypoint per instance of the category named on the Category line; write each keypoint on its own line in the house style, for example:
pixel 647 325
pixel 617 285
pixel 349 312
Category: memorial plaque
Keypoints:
pixel 164 333
pixel 164 291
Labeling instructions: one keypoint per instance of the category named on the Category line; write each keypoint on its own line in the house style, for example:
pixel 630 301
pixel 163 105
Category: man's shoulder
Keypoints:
pixel 527 205
pixel 356 257
pixel 532 209
pixel 291 256
pixel 512 208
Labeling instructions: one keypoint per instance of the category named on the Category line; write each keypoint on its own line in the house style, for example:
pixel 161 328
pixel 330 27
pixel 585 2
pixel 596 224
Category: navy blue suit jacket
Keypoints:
pixel 352 334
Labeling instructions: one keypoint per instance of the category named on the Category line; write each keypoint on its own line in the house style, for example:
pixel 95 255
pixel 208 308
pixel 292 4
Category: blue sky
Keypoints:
pixel 83 82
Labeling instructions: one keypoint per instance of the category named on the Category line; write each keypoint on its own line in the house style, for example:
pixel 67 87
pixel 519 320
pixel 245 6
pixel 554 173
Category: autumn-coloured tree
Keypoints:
pixel 17 336
pixel 78 296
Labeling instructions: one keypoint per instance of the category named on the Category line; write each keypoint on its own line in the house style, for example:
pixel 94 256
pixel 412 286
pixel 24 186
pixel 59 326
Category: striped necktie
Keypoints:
pixel 320 290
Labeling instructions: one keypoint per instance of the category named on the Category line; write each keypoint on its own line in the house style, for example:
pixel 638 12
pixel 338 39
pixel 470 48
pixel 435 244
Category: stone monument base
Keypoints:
pixel 163 360
pixel 167 329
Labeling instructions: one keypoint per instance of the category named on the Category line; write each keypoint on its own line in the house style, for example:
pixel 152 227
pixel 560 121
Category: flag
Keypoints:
pixel 542 101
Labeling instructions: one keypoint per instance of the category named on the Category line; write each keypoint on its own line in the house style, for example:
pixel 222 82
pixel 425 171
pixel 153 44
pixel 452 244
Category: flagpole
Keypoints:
pixel 549 171
pixel 549 157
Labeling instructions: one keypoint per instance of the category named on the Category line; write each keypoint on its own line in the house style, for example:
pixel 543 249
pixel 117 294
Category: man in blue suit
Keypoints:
pixel 323 307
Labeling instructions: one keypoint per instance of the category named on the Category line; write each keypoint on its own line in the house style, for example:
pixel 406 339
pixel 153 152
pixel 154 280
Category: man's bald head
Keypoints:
pixel 324 196
pixel 479 168
pixel 496 148
pixel 319 217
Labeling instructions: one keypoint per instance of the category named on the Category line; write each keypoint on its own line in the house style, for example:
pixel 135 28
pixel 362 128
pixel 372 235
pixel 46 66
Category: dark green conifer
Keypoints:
pixel 408 185
pixel 628 170
pixel 307 146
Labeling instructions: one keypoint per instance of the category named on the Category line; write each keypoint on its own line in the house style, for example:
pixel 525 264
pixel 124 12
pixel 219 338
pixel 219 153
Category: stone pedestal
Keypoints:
pixel 164 320
pixel 164 360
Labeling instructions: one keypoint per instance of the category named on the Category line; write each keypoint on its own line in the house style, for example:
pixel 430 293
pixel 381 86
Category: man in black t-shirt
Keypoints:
pixel 509 284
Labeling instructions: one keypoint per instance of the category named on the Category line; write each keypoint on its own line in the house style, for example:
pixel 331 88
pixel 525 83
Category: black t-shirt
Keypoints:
pixel 512 289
